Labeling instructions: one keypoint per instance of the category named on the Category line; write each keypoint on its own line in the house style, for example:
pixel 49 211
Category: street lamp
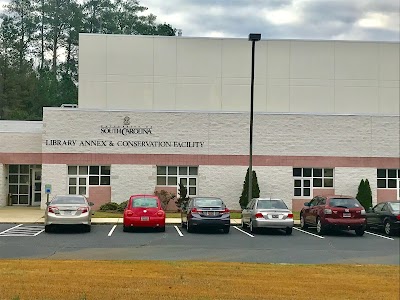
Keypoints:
pixel 253 37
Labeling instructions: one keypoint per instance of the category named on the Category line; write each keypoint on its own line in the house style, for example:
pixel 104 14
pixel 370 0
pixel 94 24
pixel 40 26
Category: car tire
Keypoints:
pixel 226 229
pixel 289 230
pixel 303 224
pixel 320 227
pixel 360 231
pixel 388 228
pixel 161 229
pixel 244 225
pixel 189 227
pixel 252 228
pixel 48 228
pixel 125 228
pixel 88 228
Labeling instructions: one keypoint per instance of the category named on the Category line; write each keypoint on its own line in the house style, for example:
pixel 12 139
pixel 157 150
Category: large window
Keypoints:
pixel 81 177
pixel 388 178
pixel 306 179
pixel 173 175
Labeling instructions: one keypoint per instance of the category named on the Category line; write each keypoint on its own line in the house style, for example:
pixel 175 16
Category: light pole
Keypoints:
pixel 253 37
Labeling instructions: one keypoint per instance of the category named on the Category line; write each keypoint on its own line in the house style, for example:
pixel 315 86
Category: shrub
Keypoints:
pixel 364 194
pixel 109 206
pixel 183 197
pixel 122 206
pixel 165 197
pixel 244 198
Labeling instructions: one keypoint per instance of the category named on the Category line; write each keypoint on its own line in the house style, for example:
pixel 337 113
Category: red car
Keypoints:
pixel 333 212
pixel 144 211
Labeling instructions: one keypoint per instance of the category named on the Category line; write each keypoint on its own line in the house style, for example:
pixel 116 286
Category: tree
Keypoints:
pixel 243 201
pixel 183 197
pixel 364 194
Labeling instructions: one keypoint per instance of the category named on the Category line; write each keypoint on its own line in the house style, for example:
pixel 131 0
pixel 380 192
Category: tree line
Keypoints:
pixel 39 48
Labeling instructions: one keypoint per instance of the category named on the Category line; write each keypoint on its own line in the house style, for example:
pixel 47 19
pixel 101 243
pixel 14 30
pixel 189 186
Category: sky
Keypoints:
pixel 368 20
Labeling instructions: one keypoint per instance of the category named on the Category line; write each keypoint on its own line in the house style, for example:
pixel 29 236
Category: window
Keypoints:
pixel 388 178
pixel 173 175
pixel 81 177
pixel 306 179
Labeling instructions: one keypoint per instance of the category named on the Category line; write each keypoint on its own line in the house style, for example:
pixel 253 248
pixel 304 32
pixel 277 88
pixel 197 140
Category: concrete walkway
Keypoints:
pixel 26 215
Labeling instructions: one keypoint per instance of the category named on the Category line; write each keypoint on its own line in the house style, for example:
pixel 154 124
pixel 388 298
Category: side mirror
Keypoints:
pixel 91 203
pixel 306 203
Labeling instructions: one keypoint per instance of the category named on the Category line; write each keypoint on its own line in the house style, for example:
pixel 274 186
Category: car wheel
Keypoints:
pixel 303 224
pixel 125 228
pixel 189 228
pixel 360 231
pixel 47 228
pixel 252 228
pixel 388 228
pixel 161 229
pixel 289 230
pixel 226 229
pixel 320 227
pixel 88 228
pixel 244 225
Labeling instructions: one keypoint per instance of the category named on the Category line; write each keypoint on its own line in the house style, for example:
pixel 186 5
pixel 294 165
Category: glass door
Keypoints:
pixel 36 187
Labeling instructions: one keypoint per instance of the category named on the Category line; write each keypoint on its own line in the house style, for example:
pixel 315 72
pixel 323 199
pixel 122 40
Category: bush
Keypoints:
pixel 364 194
pixel 109 206
pixel 165 197
pixel 122 206
pixel 244 198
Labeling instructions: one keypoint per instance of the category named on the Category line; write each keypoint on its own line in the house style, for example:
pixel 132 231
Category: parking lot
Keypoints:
pixel 110 242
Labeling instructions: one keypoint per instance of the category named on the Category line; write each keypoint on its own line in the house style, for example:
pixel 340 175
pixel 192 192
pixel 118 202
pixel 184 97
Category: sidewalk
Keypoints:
pixel 32 215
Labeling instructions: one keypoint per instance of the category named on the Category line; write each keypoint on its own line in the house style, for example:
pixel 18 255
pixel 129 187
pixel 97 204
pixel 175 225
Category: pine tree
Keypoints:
pixel 243 201
pixel 183 197
pixel 364 194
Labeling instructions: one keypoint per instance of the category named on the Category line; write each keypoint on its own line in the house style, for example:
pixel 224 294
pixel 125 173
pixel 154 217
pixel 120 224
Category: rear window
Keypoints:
pixel 144 202
pixel 395 206
pixel 68 200
pixel 344 202
pixel 271 204
pixel 208 202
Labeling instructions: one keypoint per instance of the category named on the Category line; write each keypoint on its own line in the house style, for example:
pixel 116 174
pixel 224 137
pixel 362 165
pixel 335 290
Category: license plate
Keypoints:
pixel 144 218
pixel 275 216
pixel 67 212
pixel 346 215
pixel 210 213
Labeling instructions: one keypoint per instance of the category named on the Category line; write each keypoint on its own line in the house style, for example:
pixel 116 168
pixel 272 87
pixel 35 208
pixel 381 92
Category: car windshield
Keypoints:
pixel 68 200
pixel 344 202
pixel 144 202
pixel 208 202
pixel 395 206
pixel 271 204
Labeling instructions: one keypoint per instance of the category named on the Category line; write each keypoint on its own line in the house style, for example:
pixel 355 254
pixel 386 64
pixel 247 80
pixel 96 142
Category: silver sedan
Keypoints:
pixel 267 213
pixel 68 210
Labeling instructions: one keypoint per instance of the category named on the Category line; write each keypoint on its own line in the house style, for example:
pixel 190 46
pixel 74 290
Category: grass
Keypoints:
pixel 104 214
pixel 150 280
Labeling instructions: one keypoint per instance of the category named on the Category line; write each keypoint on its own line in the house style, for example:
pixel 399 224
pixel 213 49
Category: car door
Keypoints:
pixel 382 215
pixel 310 211
pixel 373 216
pixel 314 210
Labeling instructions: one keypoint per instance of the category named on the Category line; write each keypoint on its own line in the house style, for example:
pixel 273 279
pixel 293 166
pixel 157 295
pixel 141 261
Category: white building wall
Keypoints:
pixel 127 180
pixel 213 74
pixel 227 133
pixel 57 176
pixel 20 136
pixel 3 185
pixel 348 179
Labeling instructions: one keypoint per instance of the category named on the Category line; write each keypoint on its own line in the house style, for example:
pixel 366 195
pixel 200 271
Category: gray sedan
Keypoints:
pixel 68 210
pixel 267 213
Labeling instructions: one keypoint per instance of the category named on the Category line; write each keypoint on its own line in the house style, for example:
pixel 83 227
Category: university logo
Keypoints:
pixel 127 121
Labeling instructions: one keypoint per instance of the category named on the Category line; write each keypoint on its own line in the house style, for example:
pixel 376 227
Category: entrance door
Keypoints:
pixel 398 189
pixel 36 186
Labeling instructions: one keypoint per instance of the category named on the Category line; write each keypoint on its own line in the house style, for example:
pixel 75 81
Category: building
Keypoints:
pixel 156 111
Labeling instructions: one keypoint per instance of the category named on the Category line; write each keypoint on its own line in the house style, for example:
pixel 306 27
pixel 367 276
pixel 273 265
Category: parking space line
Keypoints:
pixel 112 230
pixel 318 236
pixel 10 229
pixel 382 236
pixel 38 232
pixel 250 235
pixel 179 232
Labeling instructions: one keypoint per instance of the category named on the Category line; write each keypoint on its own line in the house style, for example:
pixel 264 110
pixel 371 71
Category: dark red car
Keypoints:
pixel 334 212
pixel 144 211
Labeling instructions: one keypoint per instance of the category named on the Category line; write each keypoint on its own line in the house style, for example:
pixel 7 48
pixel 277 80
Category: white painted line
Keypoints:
pixel 112 230
pixel 15 235
pixel 382 236
pixel 179 232
pixel 318 236
pixel 250 235
pixel 39 232
pixel 10 229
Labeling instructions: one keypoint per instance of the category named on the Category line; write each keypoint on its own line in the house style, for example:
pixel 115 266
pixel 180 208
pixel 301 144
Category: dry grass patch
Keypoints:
pixel 51 279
